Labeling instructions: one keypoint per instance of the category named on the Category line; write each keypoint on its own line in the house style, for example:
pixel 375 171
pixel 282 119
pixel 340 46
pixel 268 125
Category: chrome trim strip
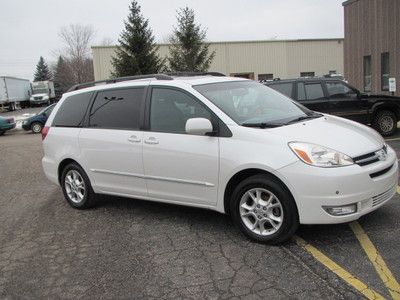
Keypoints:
pixel 208 184
pixel 375 156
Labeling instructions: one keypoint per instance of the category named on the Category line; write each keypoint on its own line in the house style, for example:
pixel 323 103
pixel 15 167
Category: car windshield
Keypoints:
pixel 248 102
pixel 40 91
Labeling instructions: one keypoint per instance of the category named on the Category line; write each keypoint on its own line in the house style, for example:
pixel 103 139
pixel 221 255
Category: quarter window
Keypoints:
pixel 72 111
pixel 385 71
pixel 170 109
pixel 117 109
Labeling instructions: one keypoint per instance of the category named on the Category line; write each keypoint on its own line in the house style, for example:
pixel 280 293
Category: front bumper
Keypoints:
pixel 7 126
pixel 26 126
pixel 42 101
pixel 313 188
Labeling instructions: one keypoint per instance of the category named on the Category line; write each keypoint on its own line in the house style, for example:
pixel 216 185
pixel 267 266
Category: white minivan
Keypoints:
pixel 227 144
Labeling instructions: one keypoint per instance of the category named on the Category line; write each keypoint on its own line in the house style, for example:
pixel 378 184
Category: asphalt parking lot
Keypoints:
pixel 126 248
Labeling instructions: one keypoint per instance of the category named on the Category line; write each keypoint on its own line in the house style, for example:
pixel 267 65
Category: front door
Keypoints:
pixel 112 144
pixel 179 167
pixel 345 102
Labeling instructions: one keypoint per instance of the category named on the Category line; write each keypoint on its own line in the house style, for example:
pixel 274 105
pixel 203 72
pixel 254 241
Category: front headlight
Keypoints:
pixel 25 122
pixel 320 156
pixel 45 97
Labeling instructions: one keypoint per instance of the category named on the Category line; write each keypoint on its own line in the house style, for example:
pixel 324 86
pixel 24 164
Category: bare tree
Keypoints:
pixel 107 42
pixel 77 39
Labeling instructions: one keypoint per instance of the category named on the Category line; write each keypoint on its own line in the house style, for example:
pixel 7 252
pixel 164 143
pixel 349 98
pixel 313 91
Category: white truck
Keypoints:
pixel 14 92
pixel 43 92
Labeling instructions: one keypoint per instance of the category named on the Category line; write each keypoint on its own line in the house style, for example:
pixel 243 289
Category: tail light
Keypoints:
pixel 45 131
pixel 10 120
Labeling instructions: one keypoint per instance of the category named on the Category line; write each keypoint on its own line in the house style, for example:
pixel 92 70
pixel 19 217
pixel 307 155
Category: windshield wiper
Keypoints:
pixel 306 117
pixel 262 125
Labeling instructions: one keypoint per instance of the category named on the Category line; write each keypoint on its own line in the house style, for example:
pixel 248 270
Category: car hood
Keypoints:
pixel 340 134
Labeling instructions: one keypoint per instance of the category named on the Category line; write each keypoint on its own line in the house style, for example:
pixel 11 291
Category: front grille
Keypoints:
pixel 381 172
pixel 378 199
pixel 37 98
pixel 372 157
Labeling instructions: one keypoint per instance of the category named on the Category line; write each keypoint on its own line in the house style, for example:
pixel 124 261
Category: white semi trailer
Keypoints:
pixel 14 92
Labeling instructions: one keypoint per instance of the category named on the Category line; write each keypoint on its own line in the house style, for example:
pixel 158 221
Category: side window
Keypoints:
pixel 283 88
pixel 337 89
pixel 117 109
pixel 72 111
pixel 314 91
pixel 170 109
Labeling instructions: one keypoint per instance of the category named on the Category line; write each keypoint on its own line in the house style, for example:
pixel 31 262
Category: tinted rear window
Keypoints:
pixel 72 111
pixel 284 88
pixel 117 109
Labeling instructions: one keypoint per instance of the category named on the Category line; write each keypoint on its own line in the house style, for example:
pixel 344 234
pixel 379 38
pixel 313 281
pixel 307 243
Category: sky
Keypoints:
pixel 29 28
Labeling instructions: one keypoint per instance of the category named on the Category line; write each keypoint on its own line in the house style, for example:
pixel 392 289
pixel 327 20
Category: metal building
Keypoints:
pixel 372 44
pixel 255 59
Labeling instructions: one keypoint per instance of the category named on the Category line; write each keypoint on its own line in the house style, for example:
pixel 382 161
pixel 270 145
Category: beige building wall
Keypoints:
pixel 283 59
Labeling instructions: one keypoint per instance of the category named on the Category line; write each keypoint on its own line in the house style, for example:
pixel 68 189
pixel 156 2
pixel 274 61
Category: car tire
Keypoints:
pixel 36 127
pixel 270 215
pixel 385 122
pixel 2 132
pixel 76 187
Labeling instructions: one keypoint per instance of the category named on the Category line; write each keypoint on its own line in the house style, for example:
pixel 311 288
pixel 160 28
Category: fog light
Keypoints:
pixel 341 210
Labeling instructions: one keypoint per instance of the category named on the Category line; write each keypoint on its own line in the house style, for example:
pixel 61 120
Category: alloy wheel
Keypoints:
pixel 386 123
pixel 261 211
pixel 36 128
pixel 74 186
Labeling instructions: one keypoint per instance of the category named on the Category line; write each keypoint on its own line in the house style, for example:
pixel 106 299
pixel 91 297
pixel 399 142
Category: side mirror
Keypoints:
pixel 198 126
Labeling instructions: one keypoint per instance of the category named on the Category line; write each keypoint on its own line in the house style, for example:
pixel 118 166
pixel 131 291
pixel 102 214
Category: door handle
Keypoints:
pixel 133 139
pixel 151 140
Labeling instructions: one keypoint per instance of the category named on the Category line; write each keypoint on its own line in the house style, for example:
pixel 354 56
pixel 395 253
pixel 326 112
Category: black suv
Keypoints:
pixel 336 97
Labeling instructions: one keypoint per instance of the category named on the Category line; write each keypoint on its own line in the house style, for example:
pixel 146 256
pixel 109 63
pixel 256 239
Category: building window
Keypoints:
pixel 367 73
pixel 307 74
pixel 263 77
pixel 385 71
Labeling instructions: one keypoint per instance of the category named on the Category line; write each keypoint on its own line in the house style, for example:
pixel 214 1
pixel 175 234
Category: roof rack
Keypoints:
pixel 165 76
pixel 189 74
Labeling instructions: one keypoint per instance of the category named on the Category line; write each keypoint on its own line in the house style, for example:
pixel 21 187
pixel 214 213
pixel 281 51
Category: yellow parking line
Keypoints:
pixel 338 270
pixel 380 266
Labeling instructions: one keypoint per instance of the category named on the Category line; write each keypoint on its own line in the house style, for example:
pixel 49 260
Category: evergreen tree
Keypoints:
pixel 188 50
pixel 42 72
pixel 63 78
pixel 137 51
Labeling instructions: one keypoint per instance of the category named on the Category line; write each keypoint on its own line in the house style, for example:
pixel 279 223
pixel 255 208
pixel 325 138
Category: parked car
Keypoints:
pixel 336 97
pixel 6 124
pixel 36 122
pixel 227 144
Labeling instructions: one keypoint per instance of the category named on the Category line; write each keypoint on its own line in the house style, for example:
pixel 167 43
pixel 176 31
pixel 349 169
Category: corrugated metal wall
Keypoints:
pixel 284 59
pixel 371 28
